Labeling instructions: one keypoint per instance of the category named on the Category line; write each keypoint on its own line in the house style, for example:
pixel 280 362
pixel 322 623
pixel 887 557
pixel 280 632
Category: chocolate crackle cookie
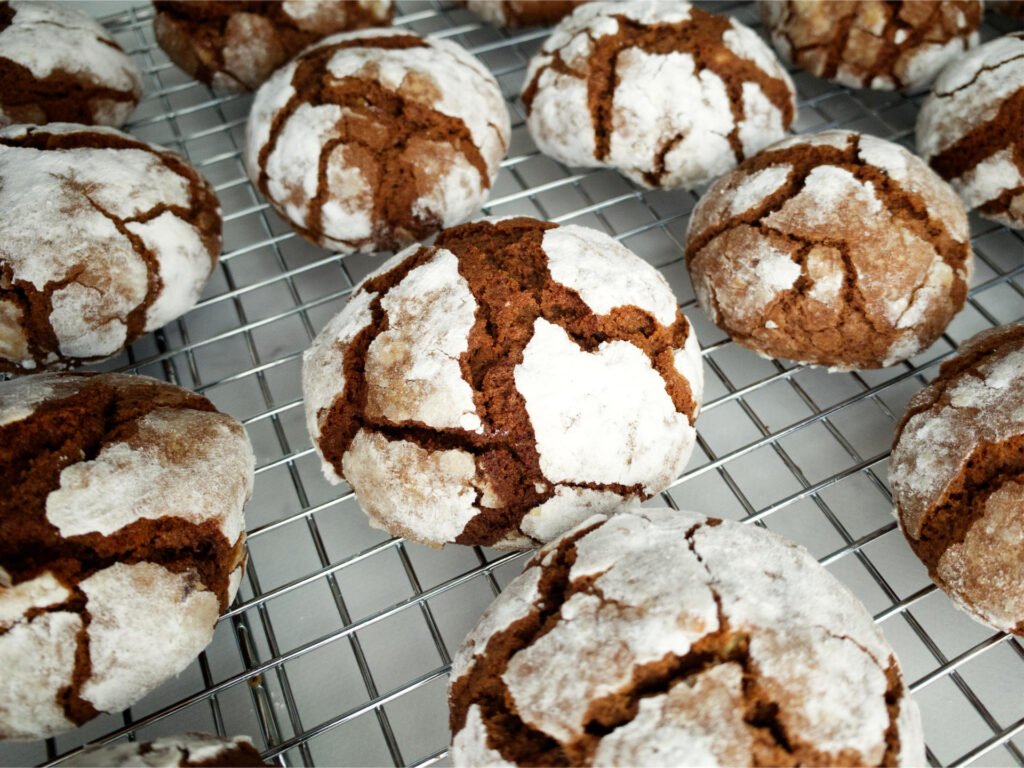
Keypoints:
pixel 190 749
pixel 370 141
pixel 102 238
pixel 658 637
pixel 522 13
pixel 835 249
pixel 872 43
pixel 957 474
pixel 237 45
pixel 970 129
pixel 59 65
pixel 507 382
pixel 121 541
pixel 668 94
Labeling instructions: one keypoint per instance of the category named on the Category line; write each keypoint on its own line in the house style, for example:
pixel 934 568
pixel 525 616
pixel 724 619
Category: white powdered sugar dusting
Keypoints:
pixel 148 624
pixel 412 367
pixel 937 442
pixel 606 274
pixel 690 363
pixel 566 509
pixel 989 179
pixel 49 37
pixel 41 592
pixel 168 752
pixel 471 741
pixel 38 659
pixel 153 475
pixel 758 186
pixel 601 416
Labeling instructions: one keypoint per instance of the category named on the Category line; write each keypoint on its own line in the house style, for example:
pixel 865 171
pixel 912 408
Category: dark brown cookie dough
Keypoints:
pixel 870 43
pixel 195 750
pixel 834 249
pixel 957 475
pixel 59 65
pixel 121 541
pixel 498 386
pixel 522 13
pixel 658 637
pixel 102 238
pixel 369 141
pixel 971 129
pixel 237 45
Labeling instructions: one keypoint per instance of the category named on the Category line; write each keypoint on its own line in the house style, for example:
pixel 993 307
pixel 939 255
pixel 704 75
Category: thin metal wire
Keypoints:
pixel 205 126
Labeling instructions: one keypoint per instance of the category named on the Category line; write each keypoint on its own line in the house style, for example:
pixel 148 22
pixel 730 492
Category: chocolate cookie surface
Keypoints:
pixel 121 541
pixel 102 238
pixel 836 249
pixel 871 43
pixel 957 477
pixel 372 140
pixel 971 132
pixel 501 385
pixel 658 637
pixel 59 65
pixel 238 45
pixel 522 13
pixel 190 749
pixel 668 94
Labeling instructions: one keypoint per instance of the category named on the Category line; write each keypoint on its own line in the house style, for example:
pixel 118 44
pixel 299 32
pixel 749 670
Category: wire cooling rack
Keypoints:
pixel 337 650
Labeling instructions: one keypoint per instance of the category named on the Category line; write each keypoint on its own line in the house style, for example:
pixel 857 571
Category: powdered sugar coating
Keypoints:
pixel 651 582
pixel 166 752
pixel 975 91
pixel 586 407
pixel 42 591
pixel 51 40
pixel 438 76
pixel 670 119
pixel 63 214
pixel 148 624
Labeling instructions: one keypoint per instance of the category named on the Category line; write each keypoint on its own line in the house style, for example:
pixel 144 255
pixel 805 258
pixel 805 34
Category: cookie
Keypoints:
pixel 102 238
pixel 190 749
pixel 370 141
pixel 121 541
pixel 237 45
pixel 522 13
pixel 658 637
pixel 872 43
pixel 59 65
pixel 835 249
pixel 971 132
pixel 505 383
pixel 957 475
pixel 667 94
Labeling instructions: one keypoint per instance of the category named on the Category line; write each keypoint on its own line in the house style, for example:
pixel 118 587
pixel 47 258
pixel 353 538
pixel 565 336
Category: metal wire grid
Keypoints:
pixel 337 650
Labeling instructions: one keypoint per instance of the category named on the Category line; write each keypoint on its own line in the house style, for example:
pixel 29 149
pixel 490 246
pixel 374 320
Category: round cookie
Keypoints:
pixel 507 382
pixel 970 129
pixel 370 141
pixel 190 749
pixel 834 249
pixel 667 94
pixel 121 541
pixel 522 13
pixel 102 238
pixel 59 65
pixel 957 476
pixel 658 637
pixel 872 43
pixel 237 45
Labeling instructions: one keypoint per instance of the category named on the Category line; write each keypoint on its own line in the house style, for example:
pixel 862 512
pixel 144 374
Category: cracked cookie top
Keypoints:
pixel 237 45
pixel 970 129
pixel 957 475
pixel 522 13
pixel 834 249
pixel 507 382
pixel 121 541
pixel 59 65
pixel 190 749
pixel 372 140
pixel 668 94
pixel 872 43
pixel 664 637
pixel 102 238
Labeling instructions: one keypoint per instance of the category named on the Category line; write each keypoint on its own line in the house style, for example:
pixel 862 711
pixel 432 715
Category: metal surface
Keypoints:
pixel 337 649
